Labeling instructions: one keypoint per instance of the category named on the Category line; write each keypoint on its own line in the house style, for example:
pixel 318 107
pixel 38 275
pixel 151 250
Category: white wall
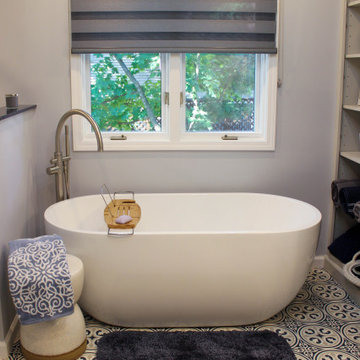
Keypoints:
pixel 34 61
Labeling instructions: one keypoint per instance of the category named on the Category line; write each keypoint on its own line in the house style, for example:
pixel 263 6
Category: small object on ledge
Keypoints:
pixel 10 111
pixel 12 101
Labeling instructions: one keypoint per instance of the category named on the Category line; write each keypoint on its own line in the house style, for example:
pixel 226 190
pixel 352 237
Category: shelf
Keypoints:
pixel 351 155
pixel 354 3
pixel 352 107
pixel 6 113
pixel 348 160
pixel 352 56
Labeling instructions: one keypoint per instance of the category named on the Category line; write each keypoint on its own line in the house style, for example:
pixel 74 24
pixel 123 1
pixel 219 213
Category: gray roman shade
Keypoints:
pixel 238 26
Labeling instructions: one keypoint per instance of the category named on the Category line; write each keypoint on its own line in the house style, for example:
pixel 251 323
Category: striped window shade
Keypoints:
pixel 222 26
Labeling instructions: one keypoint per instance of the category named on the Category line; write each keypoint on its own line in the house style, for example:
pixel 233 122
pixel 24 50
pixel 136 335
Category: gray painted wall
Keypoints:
pixel 36 64
pixel 18 197
pixel 301 166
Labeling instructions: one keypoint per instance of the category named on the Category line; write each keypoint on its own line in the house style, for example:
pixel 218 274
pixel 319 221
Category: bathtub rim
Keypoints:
pixel 316 221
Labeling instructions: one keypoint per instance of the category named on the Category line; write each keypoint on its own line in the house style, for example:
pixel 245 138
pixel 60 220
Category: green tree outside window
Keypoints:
pixel 126 92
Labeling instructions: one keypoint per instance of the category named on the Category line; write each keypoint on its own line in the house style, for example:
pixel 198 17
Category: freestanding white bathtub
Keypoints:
pixel 195 259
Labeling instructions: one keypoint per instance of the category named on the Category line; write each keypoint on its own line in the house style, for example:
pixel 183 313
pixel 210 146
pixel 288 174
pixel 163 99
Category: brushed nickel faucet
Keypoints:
pixel 60 163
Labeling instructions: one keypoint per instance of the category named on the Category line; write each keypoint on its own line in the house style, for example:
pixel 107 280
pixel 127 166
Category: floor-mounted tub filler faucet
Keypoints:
pixel 60 163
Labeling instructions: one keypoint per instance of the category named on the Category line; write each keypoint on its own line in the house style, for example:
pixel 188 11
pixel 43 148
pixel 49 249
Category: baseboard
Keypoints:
pixel 334 267
pixel 12 334
pixel 318 262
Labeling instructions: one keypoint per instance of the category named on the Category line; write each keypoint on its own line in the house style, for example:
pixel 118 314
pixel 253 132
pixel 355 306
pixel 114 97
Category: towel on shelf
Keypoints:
pixel 348 197
pixel 39 279
pixel 338 185
pixel 346 245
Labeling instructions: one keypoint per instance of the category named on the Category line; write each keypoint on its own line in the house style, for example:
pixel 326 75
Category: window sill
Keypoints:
pixel 261 144
pixel 6 113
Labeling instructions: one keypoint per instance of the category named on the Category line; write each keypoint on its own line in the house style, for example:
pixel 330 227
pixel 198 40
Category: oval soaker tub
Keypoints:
pixel 211 259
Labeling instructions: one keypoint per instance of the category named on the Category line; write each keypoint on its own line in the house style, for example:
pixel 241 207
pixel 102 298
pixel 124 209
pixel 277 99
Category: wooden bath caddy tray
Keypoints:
pixel 118 207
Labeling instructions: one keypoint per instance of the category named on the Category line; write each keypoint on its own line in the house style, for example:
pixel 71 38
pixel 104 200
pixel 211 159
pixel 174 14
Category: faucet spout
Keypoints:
pixel 60 163
pixel 87 116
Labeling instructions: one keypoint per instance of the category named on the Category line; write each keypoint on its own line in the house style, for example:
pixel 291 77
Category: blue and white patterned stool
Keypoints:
pixel 63 338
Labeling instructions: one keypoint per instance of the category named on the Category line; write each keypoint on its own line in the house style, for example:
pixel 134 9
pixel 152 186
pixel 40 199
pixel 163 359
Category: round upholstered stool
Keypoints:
pixel 63 338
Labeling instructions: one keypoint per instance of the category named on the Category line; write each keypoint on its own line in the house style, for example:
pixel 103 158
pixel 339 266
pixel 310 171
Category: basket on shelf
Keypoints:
pixel 351 270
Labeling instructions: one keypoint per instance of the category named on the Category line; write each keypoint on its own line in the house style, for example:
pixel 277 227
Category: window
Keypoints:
pixel 166 75
pixel 194 101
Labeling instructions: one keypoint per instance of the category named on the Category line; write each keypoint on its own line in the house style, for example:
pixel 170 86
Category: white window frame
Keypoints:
pixel 173 135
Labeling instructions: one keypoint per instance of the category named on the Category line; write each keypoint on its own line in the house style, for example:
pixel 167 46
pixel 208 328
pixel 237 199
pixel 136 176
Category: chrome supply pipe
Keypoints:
pixel 60 163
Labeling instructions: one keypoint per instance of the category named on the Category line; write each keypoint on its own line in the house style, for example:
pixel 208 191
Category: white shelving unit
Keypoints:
pixel 349 156
pixel 354 3
pixel 352 56
pixel 352 107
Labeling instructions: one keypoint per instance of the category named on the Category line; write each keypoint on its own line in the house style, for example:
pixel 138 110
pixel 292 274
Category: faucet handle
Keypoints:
pixel 51 170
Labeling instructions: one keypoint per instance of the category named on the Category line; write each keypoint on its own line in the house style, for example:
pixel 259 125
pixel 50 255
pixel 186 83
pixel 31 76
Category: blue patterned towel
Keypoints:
pixel 39 279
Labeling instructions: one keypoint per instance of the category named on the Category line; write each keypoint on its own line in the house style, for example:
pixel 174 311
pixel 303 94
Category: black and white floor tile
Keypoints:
pixel 321 323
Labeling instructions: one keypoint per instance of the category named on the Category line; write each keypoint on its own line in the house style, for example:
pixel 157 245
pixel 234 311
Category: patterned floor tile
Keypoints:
pixel 322 323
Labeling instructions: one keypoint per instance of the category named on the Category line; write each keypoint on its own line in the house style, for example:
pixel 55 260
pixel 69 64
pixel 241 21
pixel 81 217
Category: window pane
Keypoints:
pixel 126 92
pixel 220 92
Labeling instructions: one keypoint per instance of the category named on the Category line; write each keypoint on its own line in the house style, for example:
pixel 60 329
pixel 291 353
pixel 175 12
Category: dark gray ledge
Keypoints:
pixel 6 113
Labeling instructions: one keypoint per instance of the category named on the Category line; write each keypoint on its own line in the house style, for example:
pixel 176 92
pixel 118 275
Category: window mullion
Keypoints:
pixel 259 94
pixel 174 99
